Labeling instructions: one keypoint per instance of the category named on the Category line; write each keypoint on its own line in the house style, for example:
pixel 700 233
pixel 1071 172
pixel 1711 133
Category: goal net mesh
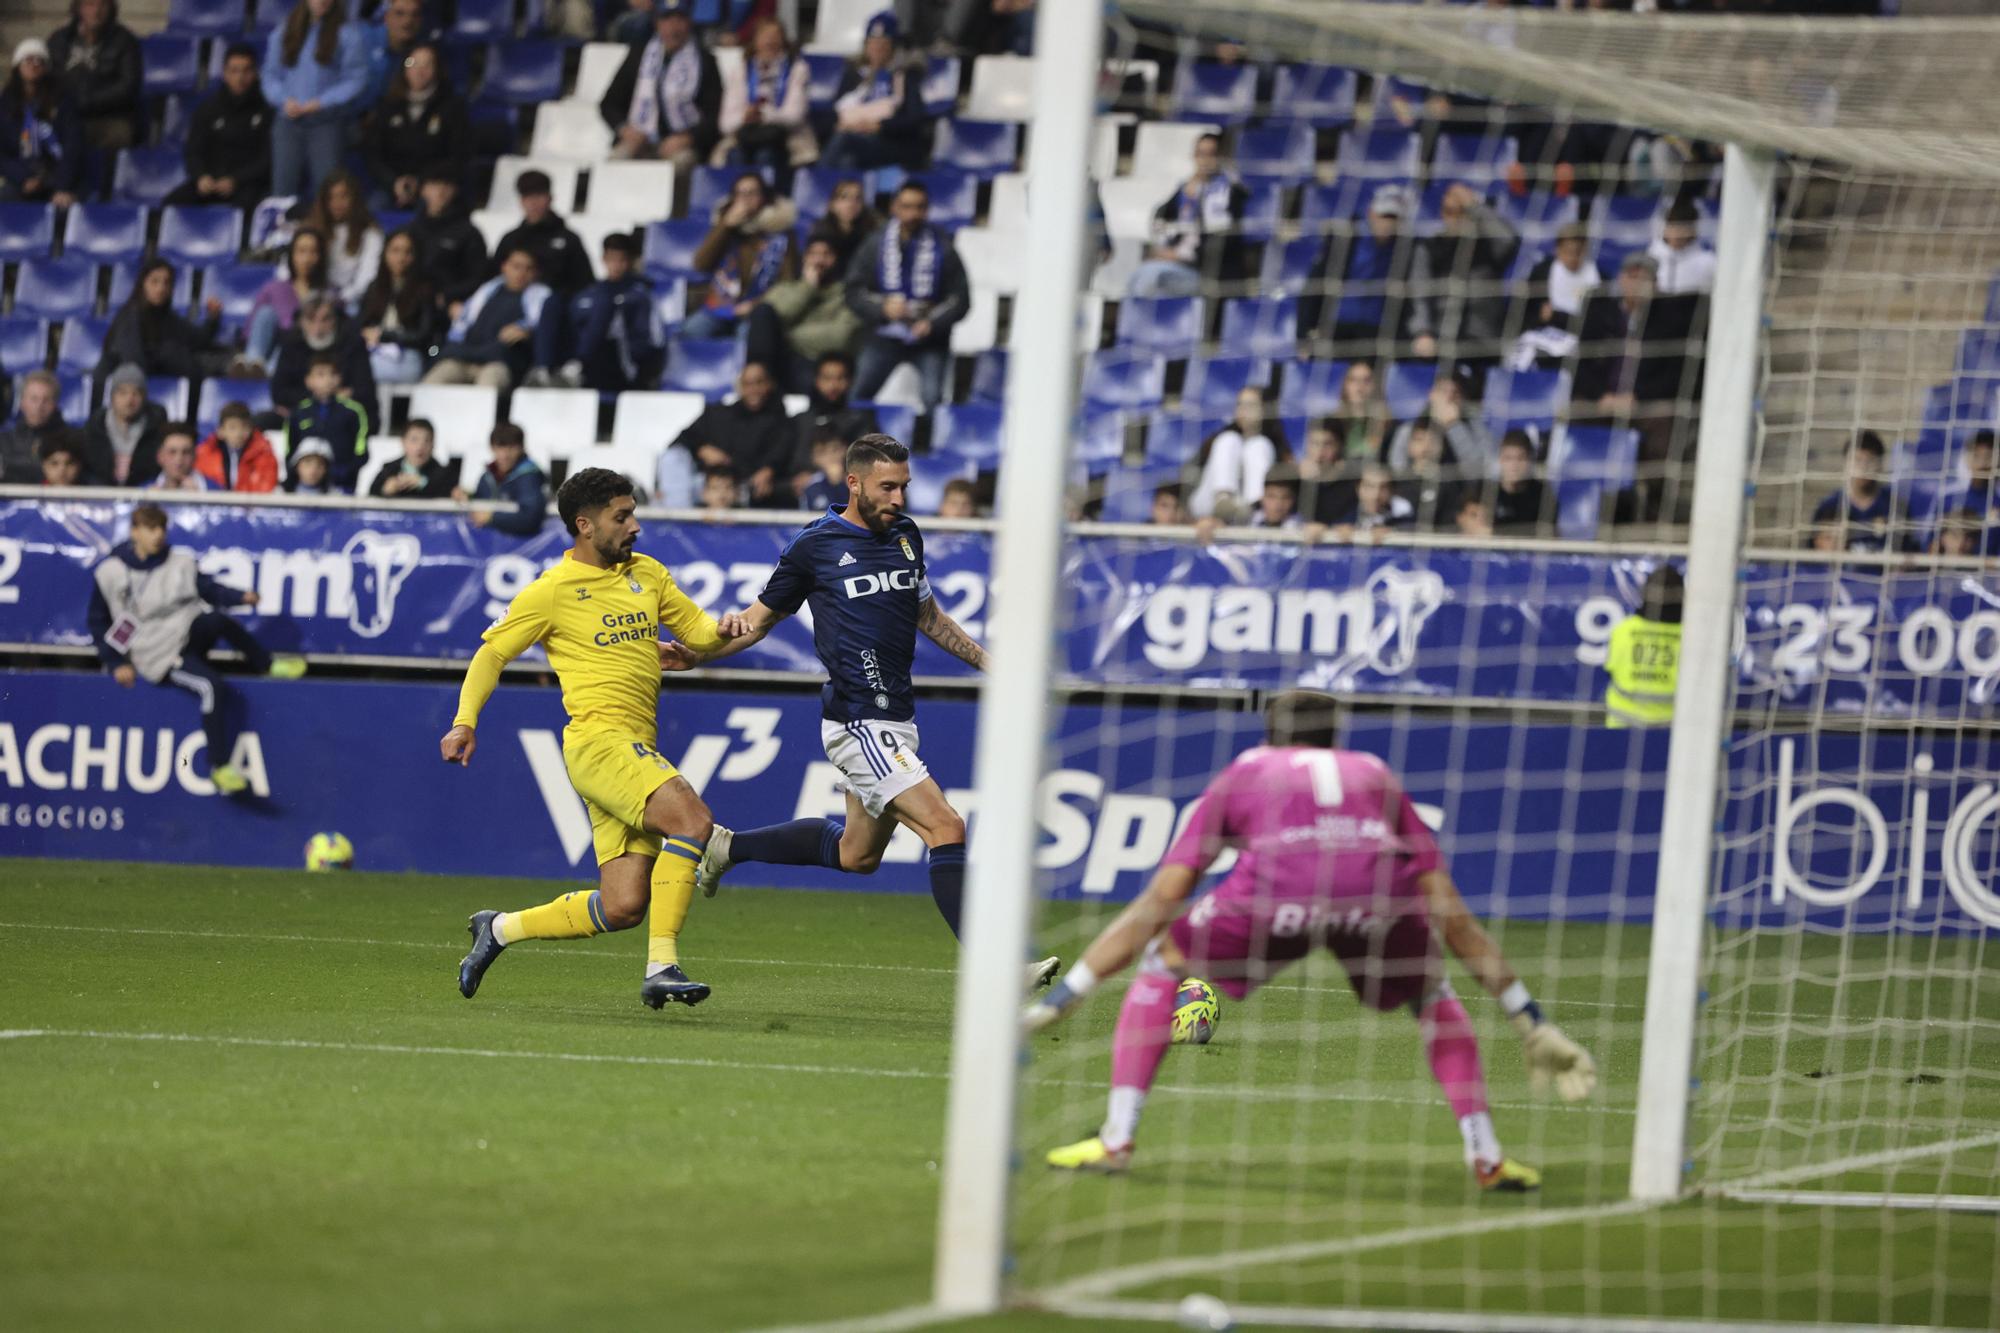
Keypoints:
pixel 1441 331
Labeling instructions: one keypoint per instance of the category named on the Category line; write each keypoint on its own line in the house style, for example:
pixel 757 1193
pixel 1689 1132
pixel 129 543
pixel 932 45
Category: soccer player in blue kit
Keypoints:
pixel 861 566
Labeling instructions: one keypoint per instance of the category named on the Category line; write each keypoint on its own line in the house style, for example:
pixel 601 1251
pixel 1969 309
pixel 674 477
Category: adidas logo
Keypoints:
pixel 846 559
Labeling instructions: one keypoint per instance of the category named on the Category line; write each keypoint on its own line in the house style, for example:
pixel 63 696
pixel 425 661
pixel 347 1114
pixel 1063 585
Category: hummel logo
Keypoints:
pixel 583 594
pixel 846 559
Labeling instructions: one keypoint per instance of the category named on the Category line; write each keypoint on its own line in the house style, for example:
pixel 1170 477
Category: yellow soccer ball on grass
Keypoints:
pixel 1197 1009
pixel 329 851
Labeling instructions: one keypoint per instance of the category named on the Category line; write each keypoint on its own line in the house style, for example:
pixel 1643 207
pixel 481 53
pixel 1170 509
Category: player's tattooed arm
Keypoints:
pixel 949 635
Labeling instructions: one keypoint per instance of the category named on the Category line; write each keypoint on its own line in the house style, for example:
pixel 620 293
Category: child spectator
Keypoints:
pixel 315 69
pixel 418 475
pixel 1169 510
pixel 490 341
pixel 62 463
pixel 41 140
pixel 1428 480
pixel 1961 533
pixel 747 251
pixel 302 278
pixel 354 242
pixel 1377 507
pixel 237 457
pixel 1982 481
pixel 1279 505
pixel 619 341
pixel 561 262
pixel 310 463
pixel 400 317
pixel 149 333
pixel 121 441
pixel 176 456
pixel 340 423
pixel 718 490
pixel 764 104
pixel 512 475
pixel 228 153
pixel 666 99
pixel 1326 474
pixel 828 488
pixel 1866 509
pixel 1232 463
pixel 1686 265
pixel 879 115
pixel 1520 501
pixel 418 127
pixel 1474 517
pixel 960 499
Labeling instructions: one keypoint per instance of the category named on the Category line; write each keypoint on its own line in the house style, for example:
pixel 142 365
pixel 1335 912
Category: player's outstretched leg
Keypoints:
pixel 1453 1051
pixel 800 842
pixel 574 916
pixel 1145 1029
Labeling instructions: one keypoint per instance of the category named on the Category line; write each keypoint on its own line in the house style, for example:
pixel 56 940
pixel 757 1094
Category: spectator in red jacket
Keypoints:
pixel 237 457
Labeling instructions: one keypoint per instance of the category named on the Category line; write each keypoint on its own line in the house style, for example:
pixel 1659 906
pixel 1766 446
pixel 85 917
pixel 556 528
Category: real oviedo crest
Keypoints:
pixel 909 552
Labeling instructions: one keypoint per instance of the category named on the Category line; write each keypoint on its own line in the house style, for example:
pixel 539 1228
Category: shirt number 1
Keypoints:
pixel 1324 767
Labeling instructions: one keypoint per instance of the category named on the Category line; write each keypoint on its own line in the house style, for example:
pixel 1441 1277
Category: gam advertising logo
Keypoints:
pixel 359 583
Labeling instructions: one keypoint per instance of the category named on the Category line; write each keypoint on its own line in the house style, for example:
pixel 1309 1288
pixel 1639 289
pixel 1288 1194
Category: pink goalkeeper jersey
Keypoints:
pixel 1331 827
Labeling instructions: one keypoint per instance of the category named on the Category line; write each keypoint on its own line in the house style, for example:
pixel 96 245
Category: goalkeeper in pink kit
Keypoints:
pixel 1331 854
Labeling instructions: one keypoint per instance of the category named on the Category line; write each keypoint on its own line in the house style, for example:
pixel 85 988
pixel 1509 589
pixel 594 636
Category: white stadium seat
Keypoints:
pixel 493 223
pixel 1007 210
pixel 980 328
pixel 992 258
pixel 559 423
pixel 1165 150
pixel 594 73
pixel 570 131
pixel 841 23
pixel 633 191
pixel 1130 202
pixel 1003 88
pixel 562 180
pixel 463 416
pixel 383 450
pixel 653 418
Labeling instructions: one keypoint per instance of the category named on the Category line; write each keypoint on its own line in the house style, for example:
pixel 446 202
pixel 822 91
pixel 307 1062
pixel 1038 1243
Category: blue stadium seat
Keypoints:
pixel 1128 377
pixel 1288 267
pixel 981 148
pixel 933 470
pixel 1311 388
pixel 1206 90
pixel 268 14
pixel 27 231
pixel 80 345
pixel 55 288
pixel 24 343
pixel 954 195
pixel 1098 436
pixel 215 394
pixel 897 420
pixel 670 300
pixel 524 73
pixel 824 73
pixel 670 247
pixel 1379 153
pixel 200 235
pixel 1172 438
pixel 104 233
pixel 147 175
pixel 1523 399
pixel 205 18
pixel 1261 326
pixel 1395 88
pixel 1609 257
pixel 989 376
pixel 1284 149
pixel 1322 94
pixel 1476 159
pixel 170 392
pixel 73 397
pixel 707 366
pixel 1169 325
pixel 1586 463
pixel 1128 493
pixel 941 80
pixel 483 21
pixel 236 287
pixel 125 273
pixel 1407 388
pixel 813 187
pixel 709 186
pixel 1264 209
pixel 175 115
pixel 169 62
pixel 1625 220
pixel 1213 382
pixel 1342 201
pixel 970 430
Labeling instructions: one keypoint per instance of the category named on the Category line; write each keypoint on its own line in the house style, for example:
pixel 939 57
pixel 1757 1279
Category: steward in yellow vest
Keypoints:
pixel 1645 655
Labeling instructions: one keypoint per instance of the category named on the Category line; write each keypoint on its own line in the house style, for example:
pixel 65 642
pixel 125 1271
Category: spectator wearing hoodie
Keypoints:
pixel 336 421
pixel 492 340
pixel 315 70
pixel 37 420
pixel 237 457
pixel 149 333
pixel 98 60
pixel 153 617
pixel 665 101
pixel 512 475
pixel 121 441
pixel 320 330
pixel 311 468
pixel 561 262
pixel 41 140
pixel 419 126
pixel 612 338
pixel 748 250
pixel 452 250
pixel 228 153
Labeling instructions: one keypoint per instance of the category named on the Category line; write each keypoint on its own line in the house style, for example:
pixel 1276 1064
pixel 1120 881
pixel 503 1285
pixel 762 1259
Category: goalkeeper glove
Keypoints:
pixel 1058 1000
pixel 1550 1054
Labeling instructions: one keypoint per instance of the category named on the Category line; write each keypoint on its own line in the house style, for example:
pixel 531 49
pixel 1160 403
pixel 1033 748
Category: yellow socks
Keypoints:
pixel 673 890
pixel 574 916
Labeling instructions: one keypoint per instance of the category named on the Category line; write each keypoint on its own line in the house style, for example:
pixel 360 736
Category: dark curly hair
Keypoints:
pixel 588 491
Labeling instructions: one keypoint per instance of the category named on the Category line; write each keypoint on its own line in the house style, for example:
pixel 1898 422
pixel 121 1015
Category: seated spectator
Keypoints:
pixel 803 320
pixel 36 421
pixel 149 333
pixel 752 437
pixel 228 153
pixel 1982 479
pixel 99 61
pixel 1370 270
pixel 764 105
pixel 315 73
pixel 1196 232
pixel 847 223
pixel 41 139
pixel 1427 478
pixel 418 475
pixel 1685 264
pixel 121 441
pixel 491 341
pixel 830 410
pixel 353 241
pixel 1460 280
pixel 1474 517
pixel 909 288
pixel 237 457
pixel 1327 474
pixel 62 462
pixel 301 279
pixel 400 316
pixel 177 471
pixel 1169 511
pixel 879 115
pixel 512 475
pixel 1866 511
pixel 561 262
pixel 666 99
pixel 719 489
pixel 1278 504
pixel 1232 463
pixel 1360 421
pixel 321 332
pixel 611 338
pixel 748 250
pixel 311 461
pixel 825 487
pixel 390 41
pixel 418 127
pixel 1552 308
pixel 1520 502
pixel 453 251
pixel 1637 365
pixel 1961 534
pixel 1467 446
pixel 960 499
pixel 1377 506
pixel 340 422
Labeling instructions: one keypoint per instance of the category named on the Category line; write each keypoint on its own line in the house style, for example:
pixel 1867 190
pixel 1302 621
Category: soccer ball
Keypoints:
pixel 332 851
pixel 1196 1012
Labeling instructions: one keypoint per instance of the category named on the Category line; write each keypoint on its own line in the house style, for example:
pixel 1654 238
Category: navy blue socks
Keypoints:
pixel 803 842
pixel 948 881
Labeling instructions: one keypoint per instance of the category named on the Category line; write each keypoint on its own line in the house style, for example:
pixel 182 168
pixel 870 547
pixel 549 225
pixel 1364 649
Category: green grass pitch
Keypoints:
pixel 260 1103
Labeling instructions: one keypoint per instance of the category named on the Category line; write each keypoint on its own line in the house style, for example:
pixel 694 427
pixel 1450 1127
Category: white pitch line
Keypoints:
pixel 1859 1162
pixel 889 1321
pixel 1432 1321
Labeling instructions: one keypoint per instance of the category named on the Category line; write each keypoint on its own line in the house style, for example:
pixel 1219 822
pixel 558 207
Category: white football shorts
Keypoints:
pixel 878 759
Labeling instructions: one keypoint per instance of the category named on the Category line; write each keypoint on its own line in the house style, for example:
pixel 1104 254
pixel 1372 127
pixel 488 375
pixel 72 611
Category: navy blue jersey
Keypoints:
pixel 866 591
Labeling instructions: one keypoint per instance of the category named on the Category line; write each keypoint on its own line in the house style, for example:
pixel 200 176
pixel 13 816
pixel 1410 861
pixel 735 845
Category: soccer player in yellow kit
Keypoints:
pixel 600 613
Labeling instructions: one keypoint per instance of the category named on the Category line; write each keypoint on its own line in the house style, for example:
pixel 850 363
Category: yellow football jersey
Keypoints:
pixel 601 629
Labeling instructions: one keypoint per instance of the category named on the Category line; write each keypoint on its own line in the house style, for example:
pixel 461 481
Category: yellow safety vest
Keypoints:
pixel 1644 660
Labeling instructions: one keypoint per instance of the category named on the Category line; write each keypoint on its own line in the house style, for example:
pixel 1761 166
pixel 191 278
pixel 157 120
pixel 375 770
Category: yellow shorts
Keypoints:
pixel 615 775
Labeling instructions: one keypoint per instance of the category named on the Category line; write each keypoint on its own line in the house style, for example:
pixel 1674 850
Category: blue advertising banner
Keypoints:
pixel 1836 831
pixel 1434 624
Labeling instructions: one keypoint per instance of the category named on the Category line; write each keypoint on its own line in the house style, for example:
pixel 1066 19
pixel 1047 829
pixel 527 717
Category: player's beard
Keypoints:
pixel 616 551
pixel 876 517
